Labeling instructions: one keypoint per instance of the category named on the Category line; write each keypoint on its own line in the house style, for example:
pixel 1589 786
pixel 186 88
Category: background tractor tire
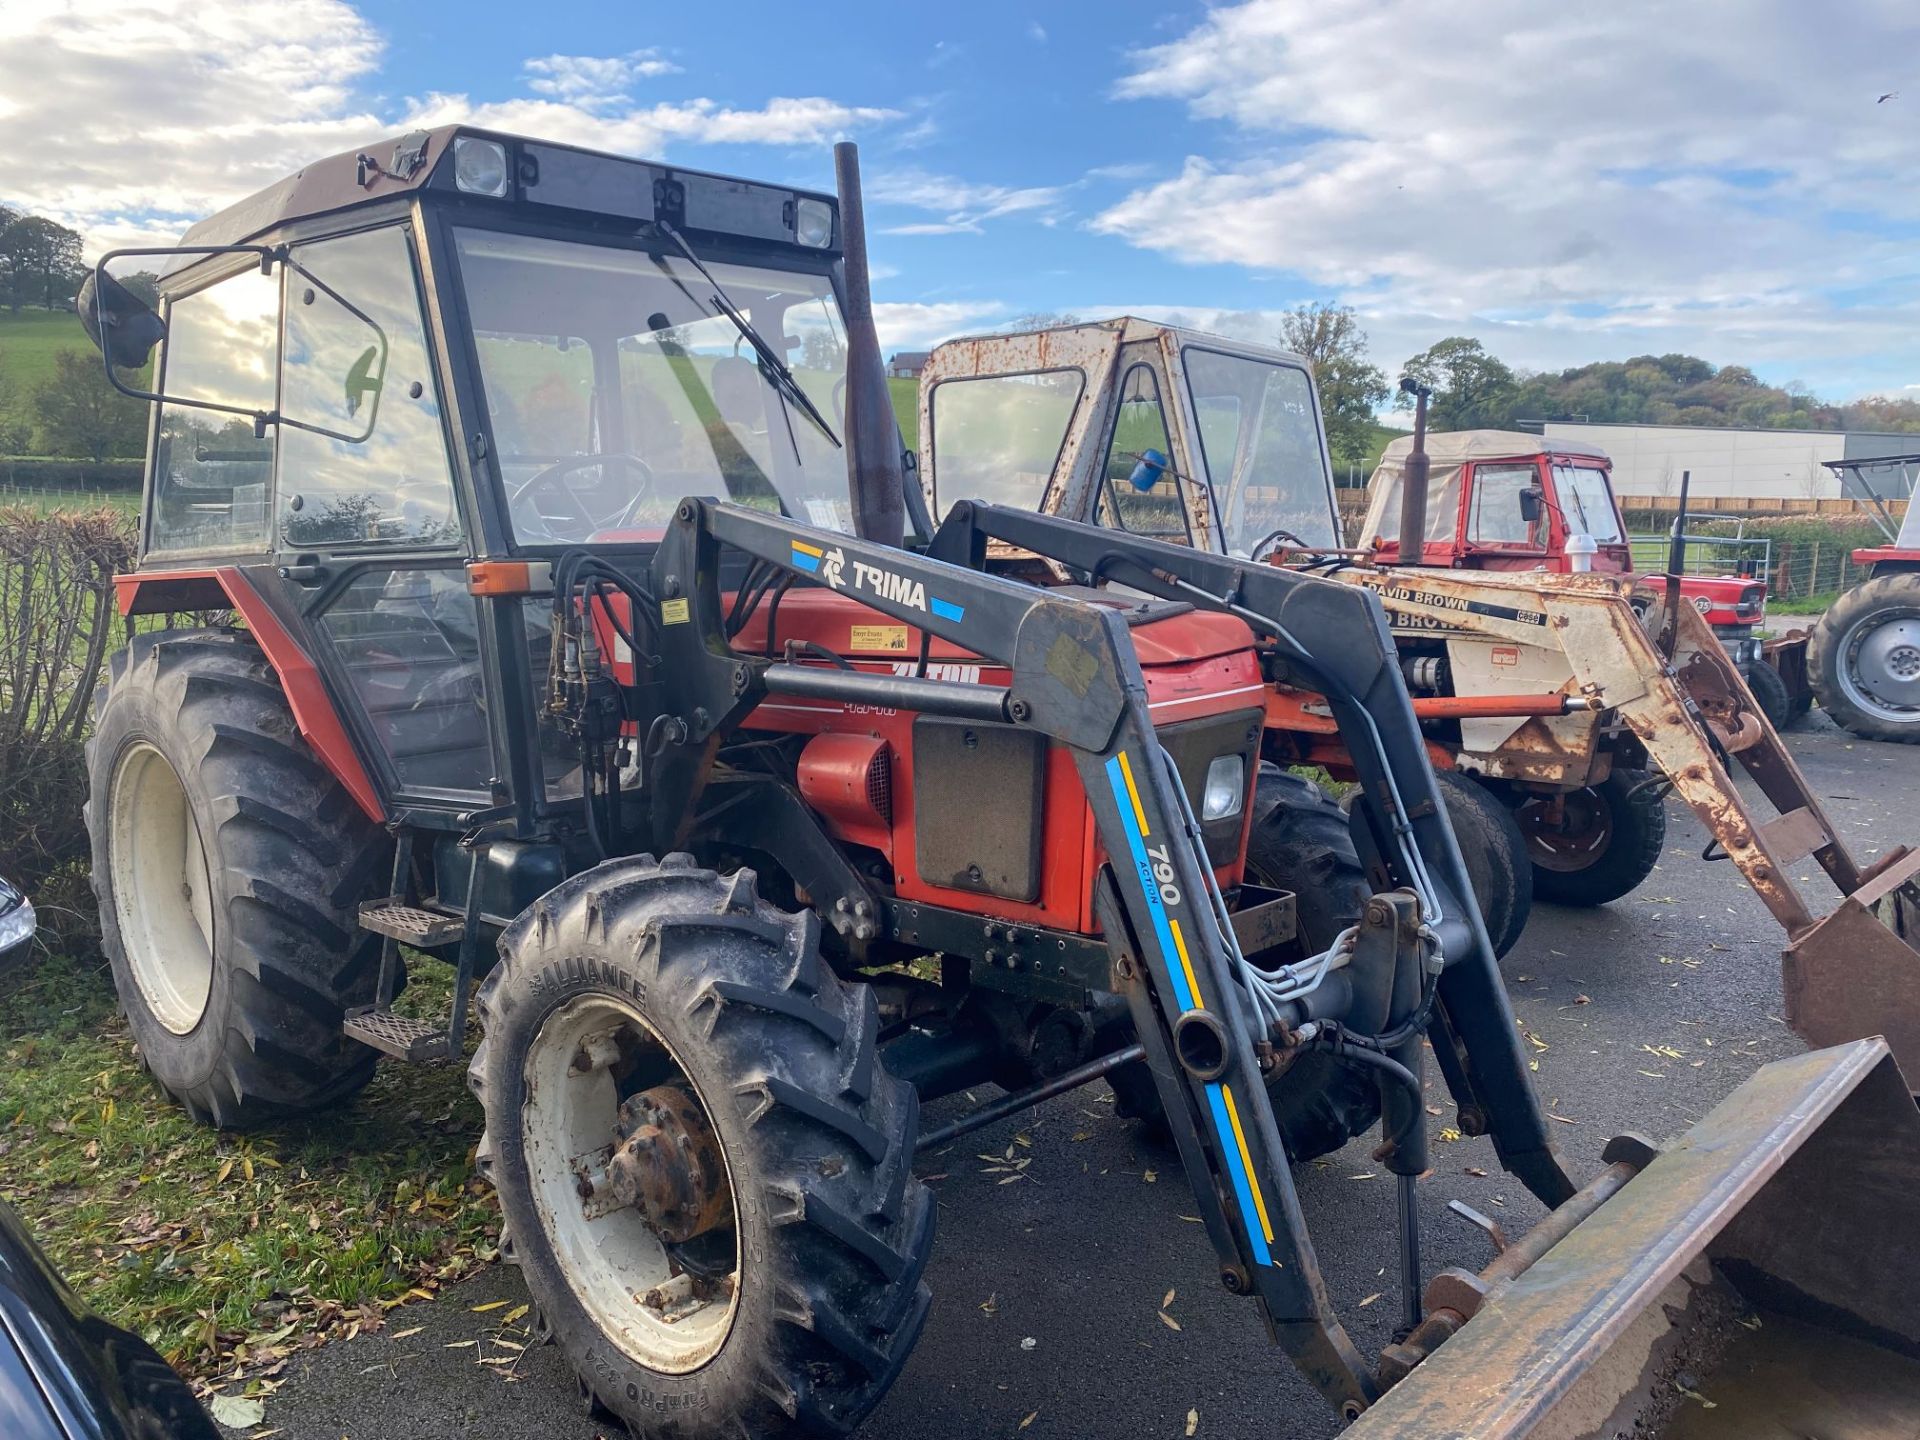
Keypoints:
pixel 1498 866
pixel 1863 659
pixel 1770 691
pixel 829 1231
pixel 229 867
pixel 1609 843
pixel 1300 842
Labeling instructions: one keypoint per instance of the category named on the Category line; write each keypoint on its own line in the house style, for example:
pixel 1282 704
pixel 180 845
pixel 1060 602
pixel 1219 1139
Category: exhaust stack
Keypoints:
pixel 1413 480
pixel 875 476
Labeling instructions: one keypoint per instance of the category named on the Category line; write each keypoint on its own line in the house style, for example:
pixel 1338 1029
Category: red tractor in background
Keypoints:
pixel 1508 500
pixel 1864 655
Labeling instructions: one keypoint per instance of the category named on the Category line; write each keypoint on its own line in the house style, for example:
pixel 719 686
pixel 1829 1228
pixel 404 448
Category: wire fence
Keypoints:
pixel 1794 567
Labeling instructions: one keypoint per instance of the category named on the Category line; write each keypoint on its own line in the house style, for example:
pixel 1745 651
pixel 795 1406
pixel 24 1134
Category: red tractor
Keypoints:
pixel 1865 652
pixel 757 822
pixel 1507 500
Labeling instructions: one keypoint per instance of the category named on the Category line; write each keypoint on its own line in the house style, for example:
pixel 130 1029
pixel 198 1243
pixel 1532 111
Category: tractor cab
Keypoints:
pixel 1500 500
pixel 1161 432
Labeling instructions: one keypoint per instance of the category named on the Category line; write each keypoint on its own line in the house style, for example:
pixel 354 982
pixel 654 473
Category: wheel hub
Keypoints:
pixel 1883 664
pixel 668 1165
pixel 1570 836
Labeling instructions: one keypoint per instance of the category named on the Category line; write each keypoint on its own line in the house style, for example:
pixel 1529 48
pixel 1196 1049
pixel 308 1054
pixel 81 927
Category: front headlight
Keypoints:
pixel 1226 787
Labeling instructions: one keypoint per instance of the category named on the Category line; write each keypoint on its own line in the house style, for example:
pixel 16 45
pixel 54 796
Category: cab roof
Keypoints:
pixel 541 172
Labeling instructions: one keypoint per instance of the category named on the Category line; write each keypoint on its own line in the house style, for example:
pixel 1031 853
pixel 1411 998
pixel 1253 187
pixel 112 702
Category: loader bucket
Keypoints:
pixel 1758 1279
pixel 1856 971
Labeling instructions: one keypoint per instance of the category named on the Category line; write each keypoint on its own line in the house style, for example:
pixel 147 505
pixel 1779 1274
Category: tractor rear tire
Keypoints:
pixel 229 867
pixel 1610 843
pixel 1300 842
pixel 1770 692
pixel 1498 866
pixel 1863 659
pixel 806 1282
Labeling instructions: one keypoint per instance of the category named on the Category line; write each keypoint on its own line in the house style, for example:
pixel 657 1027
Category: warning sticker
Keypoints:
pixel 883 638
pixel 1506 654
pixel 674 612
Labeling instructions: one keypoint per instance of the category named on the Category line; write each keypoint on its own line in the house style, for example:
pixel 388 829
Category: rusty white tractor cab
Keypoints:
pixel 1576 701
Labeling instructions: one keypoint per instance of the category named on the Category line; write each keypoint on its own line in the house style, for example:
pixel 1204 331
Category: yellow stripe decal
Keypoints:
pixel 1253 1179
pixel 804 548
pixel 1186 964
pixel 1133 792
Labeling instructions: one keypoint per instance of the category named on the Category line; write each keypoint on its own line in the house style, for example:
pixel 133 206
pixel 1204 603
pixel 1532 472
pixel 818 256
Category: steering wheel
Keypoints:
pixel 552 480
pixel 1276 537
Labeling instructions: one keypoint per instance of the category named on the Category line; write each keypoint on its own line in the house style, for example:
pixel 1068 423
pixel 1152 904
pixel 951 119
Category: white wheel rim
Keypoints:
pixel 162 889
pixel 611 1258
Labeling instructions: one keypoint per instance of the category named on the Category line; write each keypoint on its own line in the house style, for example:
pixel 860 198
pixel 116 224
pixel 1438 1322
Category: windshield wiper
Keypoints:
pixel 770 361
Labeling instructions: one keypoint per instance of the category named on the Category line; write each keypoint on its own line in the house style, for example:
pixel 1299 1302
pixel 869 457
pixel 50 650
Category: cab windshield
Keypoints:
pixel 1261 448
pixel 615 385
pixel 1587 503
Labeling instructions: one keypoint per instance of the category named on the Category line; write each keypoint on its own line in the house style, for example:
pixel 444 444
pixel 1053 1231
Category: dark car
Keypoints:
pixel 66 1374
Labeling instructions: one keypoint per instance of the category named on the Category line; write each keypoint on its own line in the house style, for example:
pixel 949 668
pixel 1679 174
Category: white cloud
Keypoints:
pixel 1559 180
pixel 1036 32
pixel 128 119
pixel 922 326
pixel 963 205
pixel 594 81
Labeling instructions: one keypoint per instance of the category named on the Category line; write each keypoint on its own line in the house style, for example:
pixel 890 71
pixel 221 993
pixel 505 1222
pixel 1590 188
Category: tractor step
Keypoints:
pixel 400 1036
pixel 409 924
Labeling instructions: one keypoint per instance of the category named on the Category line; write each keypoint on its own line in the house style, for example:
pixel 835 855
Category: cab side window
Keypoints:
pixel 1494 517
pixel 210 473
pixel 363 455
pixel 1140 427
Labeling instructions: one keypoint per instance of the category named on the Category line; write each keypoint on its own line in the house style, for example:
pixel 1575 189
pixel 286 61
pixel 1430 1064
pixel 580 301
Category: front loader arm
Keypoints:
pixel 1077 680
pixel 1336 638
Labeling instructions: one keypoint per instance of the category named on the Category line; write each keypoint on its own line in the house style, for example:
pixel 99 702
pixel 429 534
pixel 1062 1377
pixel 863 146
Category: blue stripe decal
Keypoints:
pixel 1242 1187
pixel 1138 846
pixel 946 609
pixel 1216 1102
pixel 805 561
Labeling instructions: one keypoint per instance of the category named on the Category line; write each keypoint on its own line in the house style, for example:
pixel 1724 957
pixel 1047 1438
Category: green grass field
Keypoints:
pixel 30 340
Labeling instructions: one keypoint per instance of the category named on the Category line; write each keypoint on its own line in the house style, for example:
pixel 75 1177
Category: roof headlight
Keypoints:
pixel 480 166
pixel 813 223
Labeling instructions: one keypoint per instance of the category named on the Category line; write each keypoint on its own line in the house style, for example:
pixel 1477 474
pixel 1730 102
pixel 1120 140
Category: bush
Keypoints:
pixel 57 625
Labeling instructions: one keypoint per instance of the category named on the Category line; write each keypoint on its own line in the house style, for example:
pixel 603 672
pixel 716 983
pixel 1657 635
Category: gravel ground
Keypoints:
pixel 1048 1292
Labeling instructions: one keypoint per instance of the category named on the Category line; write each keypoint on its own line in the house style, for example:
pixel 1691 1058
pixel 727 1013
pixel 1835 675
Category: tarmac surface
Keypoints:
pixel 1050 1307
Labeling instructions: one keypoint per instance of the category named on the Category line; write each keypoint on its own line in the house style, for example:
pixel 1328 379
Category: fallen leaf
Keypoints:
pixel 491 1305
pixel 1030 1419
pixel 514 1314
pixel 1583 999
pixel 462 1345
pixel 1168 1321
pixel 1164 1304
pixel 1564 1120
pixel 403 1334
pixel 1370 1299
pixel 237 1411
pixel 1193 1421
pixel 1476 1170
pixel 1151 1176
pixel 991 1304
pixel 1449 1134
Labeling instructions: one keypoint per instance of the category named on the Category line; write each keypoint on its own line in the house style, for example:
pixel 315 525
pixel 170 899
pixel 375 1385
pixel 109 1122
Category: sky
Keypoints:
pixel 1568 182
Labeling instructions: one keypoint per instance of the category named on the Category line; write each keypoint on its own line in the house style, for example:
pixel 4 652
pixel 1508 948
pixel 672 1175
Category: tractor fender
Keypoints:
pixel 219 587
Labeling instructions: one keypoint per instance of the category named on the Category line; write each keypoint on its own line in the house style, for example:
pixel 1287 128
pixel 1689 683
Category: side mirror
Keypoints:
pixel 1530 505
pixel 1149 470
pixel 121 325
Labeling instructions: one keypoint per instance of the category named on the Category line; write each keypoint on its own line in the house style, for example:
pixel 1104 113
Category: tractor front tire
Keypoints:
pixel 1770 693
pixel 1864 659
pixel 796 1300
pixel 229 867
pixel 1608 840
pixel 1495 852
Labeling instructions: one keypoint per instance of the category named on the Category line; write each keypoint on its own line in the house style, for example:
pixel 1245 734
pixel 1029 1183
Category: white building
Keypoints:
pixel 1770 464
